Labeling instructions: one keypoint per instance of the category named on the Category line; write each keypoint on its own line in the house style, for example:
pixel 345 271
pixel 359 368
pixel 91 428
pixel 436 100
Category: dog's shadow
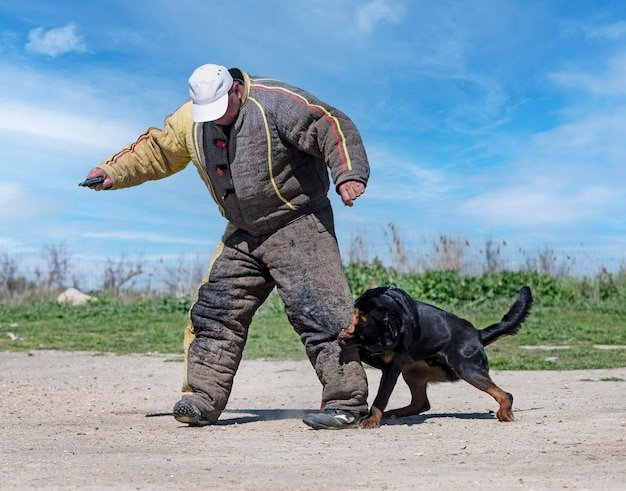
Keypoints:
pixel 421 418
pixel 243 416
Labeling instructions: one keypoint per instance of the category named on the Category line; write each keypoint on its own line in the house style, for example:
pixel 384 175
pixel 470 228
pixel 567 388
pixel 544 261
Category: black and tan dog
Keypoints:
pixel 398 334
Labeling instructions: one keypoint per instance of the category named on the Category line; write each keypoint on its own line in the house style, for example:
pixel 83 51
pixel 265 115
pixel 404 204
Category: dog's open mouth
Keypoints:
pixel 346 341
pixel 377 351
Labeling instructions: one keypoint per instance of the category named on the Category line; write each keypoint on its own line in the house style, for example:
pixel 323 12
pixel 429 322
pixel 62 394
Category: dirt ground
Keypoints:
pixel 82 421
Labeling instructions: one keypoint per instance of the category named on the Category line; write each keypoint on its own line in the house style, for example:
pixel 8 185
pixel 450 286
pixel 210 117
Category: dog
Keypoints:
pixel 398 334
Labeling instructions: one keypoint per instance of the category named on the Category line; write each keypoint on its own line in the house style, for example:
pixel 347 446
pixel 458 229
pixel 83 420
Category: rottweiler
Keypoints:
pixel 398 334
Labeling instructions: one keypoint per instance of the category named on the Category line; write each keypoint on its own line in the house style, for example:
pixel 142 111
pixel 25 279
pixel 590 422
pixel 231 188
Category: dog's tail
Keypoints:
pixel 512 320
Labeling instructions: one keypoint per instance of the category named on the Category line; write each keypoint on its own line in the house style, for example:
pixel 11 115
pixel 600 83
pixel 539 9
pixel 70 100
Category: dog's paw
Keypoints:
pixel 505 416
pixel 373 420
pixel 505 413
pixel 370 423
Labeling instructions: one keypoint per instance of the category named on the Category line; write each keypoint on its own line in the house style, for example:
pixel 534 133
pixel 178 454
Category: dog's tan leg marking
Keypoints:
pixel 417 377
pixel 505 412
pixel 373 420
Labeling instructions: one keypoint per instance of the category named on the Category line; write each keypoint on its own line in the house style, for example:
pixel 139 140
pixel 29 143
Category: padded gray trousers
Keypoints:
pixel 302 261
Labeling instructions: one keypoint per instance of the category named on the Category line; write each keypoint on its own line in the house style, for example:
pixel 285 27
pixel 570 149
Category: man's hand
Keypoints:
pixel 351 190
pixel 95 172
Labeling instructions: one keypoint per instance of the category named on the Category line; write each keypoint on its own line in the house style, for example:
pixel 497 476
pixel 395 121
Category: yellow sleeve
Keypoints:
pixel 156 153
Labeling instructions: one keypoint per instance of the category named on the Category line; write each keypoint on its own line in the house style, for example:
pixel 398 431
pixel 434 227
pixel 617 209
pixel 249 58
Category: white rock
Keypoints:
pixel 73 296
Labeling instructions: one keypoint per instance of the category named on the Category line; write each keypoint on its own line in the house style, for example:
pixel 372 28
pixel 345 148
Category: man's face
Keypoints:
pixel 234 103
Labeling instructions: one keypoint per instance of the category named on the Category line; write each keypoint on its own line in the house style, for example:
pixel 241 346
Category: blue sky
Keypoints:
pixel 482 118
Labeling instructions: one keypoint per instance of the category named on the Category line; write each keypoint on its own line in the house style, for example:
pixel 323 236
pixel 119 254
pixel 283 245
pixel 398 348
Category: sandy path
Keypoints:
pixel 79 421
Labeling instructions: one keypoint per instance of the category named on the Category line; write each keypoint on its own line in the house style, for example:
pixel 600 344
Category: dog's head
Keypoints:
pixel 384 319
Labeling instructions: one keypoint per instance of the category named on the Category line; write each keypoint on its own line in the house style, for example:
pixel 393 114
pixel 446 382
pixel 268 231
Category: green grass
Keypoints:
pixel 569 316
pixel 153 325
pixel 104 326
pixel 576 327
pixel 156 326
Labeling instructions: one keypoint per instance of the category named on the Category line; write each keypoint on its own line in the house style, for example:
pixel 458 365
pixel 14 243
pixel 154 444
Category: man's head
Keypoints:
pixel 211 89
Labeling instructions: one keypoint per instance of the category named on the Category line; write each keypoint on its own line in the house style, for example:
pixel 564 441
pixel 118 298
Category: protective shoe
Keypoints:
pixel 186 411
pixel 333 419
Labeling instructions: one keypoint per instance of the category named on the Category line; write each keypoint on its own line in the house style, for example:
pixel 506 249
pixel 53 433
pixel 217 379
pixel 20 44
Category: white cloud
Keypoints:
pixel 55 42
pixel 597 138
pixel 543 202
pixel 15 204
pixel 9 243
pixel 571 176
pixel 479 104
pixel 9 192
pixel 128 236
pixel 609 82
pixel 62 113
pixel 394 178
pixel 59 128
pixel 375 12
pixel 8 41
pixel 611 32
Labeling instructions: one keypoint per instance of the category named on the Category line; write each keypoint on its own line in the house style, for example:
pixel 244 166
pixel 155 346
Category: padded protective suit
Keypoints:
pixel 269 174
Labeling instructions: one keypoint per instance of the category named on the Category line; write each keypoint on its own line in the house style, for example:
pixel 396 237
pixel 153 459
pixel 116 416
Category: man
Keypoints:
pixel 264 149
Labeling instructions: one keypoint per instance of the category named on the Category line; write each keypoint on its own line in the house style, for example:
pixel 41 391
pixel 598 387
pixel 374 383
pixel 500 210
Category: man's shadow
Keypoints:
pixel 243 416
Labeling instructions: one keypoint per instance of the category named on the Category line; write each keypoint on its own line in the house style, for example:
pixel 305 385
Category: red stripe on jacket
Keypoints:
pixel 143 137
pixel 344 162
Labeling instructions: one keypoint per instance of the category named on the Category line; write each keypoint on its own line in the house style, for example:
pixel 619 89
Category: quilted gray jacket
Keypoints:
pixel 271 166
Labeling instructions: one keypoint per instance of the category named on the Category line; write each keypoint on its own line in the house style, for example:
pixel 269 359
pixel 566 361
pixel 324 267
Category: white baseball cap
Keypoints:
pixel 209 86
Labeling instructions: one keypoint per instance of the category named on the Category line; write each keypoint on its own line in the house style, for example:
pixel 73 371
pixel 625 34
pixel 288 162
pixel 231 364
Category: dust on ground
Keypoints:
pixel 83 421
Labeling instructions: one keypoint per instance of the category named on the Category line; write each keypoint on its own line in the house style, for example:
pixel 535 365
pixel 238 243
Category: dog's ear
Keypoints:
pixel 393 327
pixel 408 315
